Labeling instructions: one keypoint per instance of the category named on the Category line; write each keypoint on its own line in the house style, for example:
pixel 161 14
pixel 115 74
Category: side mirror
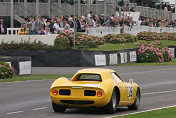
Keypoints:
pixel 131 80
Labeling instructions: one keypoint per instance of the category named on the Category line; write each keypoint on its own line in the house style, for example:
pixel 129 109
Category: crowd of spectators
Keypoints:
pixel 42 26
pixel 47 26
pixel 151 3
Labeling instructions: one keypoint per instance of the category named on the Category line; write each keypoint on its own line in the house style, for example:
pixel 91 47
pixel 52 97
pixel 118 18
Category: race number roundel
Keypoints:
pixel 130 91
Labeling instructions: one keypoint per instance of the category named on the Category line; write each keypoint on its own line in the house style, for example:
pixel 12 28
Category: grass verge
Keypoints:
pixel 173 62
pixel 34 77
pixel 163 113
pixel 111 47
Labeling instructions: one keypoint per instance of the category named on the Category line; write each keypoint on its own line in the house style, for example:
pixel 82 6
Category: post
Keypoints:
pixel 97 7
pixel 37 7
pixel 74 36
pixel 123 19
pixel 175 9
pixel 49 11
pixel 25 6
pixel 79 8
pixel 59 5
pixel 11 14
pixel 113 7
pixel 88 9
pixel 105 8
pixel 161 17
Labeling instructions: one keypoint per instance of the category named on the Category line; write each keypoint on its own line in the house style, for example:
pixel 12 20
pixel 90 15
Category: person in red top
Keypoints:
pixel 3 28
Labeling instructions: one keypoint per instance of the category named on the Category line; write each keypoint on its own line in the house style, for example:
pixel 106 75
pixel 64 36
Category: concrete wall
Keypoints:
pixel 102 31
pixel 46 39
pixel 72 58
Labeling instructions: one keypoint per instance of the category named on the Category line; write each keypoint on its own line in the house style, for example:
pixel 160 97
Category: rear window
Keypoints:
pixel 89 77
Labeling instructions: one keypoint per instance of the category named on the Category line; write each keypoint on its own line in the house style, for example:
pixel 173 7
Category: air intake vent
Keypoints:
pixel 89 93
pixel 64 92
pixel 77 102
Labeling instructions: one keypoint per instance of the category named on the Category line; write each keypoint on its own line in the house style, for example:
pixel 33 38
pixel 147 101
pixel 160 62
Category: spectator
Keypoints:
pixel 31 31
pixel 3 28
pixel 108 21
pixel 78 25
pixel 41 32
pixel 138 22
pixel 70 22
pixel 89 15
pixel 57 27
pixel 93 22
pixel 43 23
pixel 51 26
pixel 132 9
pixel 26 22
pixel 66 25
pixel 102 19
pixel 127 7
pixel 38 24
pixel 22 30
pixel 61 18
pixel 47 31
pixel 32 24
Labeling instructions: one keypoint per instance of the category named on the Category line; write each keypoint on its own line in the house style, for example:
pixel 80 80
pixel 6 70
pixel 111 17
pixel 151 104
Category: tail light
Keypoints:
pixel 55 92
pixel 99 93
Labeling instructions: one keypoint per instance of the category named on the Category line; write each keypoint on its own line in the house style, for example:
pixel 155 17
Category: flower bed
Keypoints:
pixel 151 36
pixel 64 39
pixel 88 40
pixel 153 52
pixel 119 38
pixel 6 71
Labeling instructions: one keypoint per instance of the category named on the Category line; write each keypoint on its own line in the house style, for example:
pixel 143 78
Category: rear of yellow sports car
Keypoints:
pixel 79 96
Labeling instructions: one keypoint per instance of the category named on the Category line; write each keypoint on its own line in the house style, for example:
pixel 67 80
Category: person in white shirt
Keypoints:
pixel 89 15
pixel 138 22
pixel 57 26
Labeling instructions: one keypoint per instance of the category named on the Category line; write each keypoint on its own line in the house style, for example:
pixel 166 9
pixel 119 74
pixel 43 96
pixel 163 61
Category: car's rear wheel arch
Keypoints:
pixel 118 94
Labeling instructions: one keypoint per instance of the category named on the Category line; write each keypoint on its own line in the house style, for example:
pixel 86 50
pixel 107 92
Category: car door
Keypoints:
pixel 121 84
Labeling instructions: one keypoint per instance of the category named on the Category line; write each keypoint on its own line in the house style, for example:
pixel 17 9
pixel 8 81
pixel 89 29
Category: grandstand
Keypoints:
pixel 14 11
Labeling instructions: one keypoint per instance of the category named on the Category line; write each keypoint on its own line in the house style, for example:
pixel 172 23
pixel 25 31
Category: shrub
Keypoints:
pixel 151 36
pixel 119 38
pixel 6 71
pixel 88 40
pixel 153 52
pixel 24 45
pixel 64 39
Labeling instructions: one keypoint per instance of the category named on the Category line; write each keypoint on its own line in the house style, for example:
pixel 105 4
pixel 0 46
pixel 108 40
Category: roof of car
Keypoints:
pixel 95 70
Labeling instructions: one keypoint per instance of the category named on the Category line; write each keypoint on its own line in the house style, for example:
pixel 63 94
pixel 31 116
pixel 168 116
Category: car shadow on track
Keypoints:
pixel 94 111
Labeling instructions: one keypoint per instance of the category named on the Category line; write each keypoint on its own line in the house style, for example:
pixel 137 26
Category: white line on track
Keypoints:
pixel 39 108
pixel 14 112
pixel 142 111
pixel 159 92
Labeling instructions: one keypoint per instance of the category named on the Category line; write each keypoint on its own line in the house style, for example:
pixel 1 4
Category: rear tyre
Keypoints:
pixel 136 103
pixel 58 108
pixel 112 105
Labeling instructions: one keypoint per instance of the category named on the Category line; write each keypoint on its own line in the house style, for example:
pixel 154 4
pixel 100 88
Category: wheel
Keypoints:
pixel 58 108
pixel 112 105
pixel 136 103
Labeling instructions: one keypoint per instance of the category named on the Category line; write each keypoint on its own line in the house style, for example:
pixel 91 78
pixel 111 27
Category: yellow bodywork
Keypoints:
pixel 106 86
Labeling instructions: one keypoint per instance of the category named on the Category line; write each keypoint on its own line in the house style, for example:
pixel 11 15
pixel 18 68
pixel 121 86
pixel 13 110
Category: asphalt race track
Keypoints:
pixel 30 99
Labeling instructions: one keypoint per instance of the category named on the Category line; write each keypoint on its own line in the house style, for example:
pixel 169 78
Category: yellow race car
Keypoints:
pixel 94 88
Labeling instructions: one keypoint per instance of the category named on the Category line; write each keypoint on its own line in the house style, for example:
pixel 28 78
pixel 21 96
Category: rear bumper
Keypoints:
pixel 81 102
